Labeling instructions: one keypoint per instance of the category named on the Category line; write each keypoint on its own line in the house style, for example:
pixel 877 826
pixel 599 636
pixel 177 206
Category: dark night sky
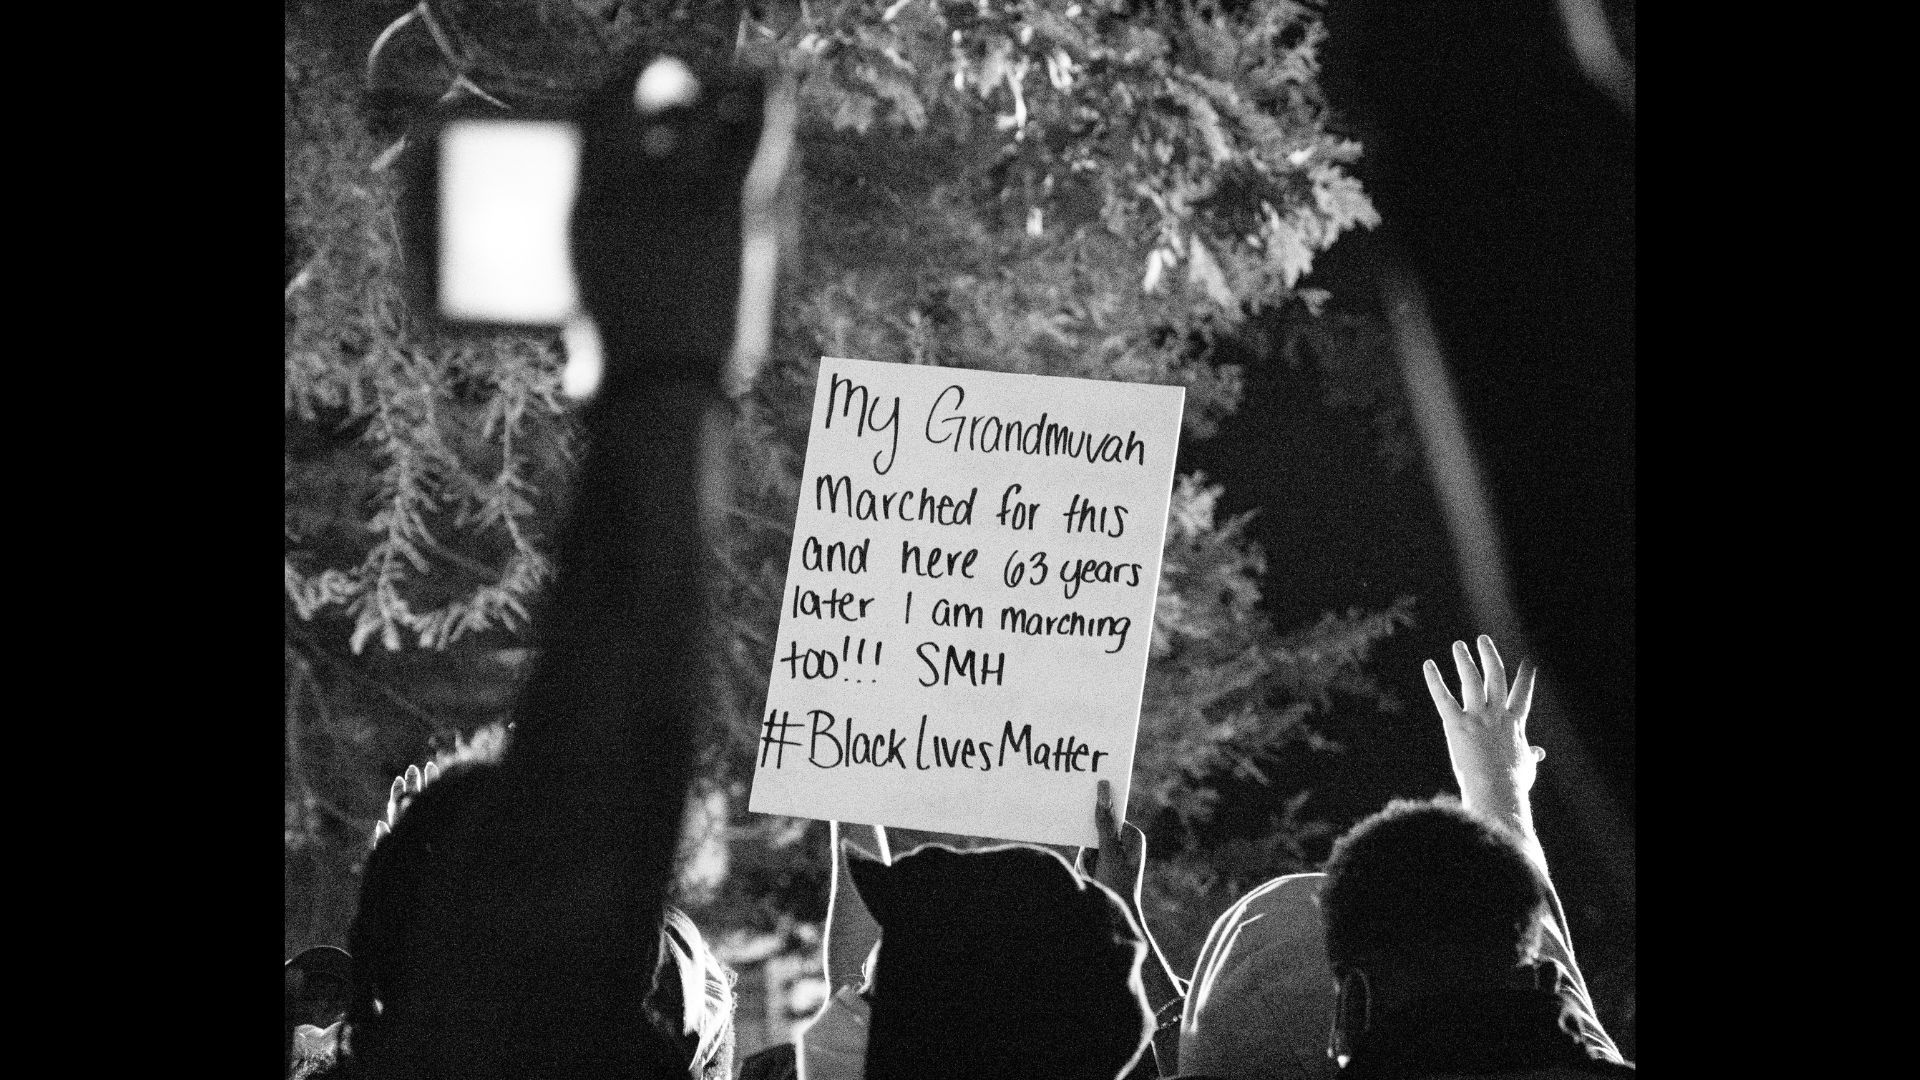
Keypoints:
pixel 1343 528
pixel 1507 182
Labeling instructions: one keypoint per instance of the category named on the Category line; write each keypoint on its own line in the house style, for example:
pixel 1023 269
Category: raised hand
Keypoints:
pixel 1486 729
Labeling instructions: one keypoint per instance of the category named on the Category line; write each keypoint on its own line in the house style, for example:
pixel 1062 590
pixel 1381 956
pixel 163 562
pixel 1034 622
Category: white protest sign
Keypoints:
pixel 969 603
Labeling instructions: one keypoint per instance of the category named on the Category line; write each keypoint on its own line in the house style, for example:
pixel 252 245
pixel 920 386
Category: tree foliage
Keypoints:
pixel 1100 190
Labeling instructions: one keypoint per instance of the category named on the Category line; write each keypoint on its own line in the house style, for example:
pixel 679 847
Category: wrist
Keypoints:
pixel 1504 799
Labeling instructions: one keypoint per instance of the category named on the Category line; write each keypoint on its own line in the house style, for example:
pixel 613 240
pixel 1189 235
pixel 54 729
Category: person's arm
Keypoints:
pixel 1120 864
pixel 834 1043
pixel 1486 730
pixel 851 931
pixel 528 924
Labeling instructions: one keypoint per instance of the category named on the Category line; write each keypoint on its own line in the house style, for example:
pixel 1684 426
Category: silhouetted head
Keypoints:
pixel 702 1035
pixel 1424 899
pixel 1000 962
pixel 1430 888
pixel 1260 1005
pixel 317 988
pixel 417 971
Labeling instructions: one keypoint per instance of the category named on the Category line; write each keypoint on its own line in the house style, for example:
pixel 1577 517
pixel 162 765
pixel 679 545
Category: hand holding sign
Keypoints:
pixel 1119 862
pixel 964 633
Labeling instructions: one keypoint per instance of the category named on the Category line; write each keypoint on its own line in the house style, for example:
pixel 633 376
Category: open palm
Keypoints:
pixel 1486 726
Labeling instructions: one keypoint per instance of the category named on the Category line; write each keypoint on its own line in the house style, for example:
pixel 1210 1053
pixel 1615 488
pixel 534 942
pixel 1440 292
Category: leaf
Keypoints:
pixel 995 69
pixel 855 112
pixel 1156 262
pixel 1206 119
pixel 1287 247
pixel 899 93
pixel 1339 196
pixel 1204 271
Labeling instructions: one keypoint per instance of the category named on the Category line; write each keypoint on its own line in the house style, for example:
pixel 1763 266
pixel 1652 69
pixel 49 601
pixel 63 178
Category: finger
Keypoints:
pixel 1103 814
pixel 380 831
pixel 413 778
pixel 394 794
pixel 430 773
pixel 1496 671
pixel 1437 687
pixel 1472 692
pixel 1520 700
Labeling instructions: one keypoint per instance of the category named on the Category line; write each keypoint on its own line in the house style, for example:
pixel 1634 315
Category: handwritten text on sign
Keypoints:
pixel 968 607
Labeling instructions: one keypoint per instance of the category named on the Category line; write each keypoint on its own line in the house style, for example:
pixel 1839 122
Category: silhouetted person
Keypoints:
pixel 1260 1006
pixel 510 923
pixel 1000 963
pixel 1433 930
pixel 681 1027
